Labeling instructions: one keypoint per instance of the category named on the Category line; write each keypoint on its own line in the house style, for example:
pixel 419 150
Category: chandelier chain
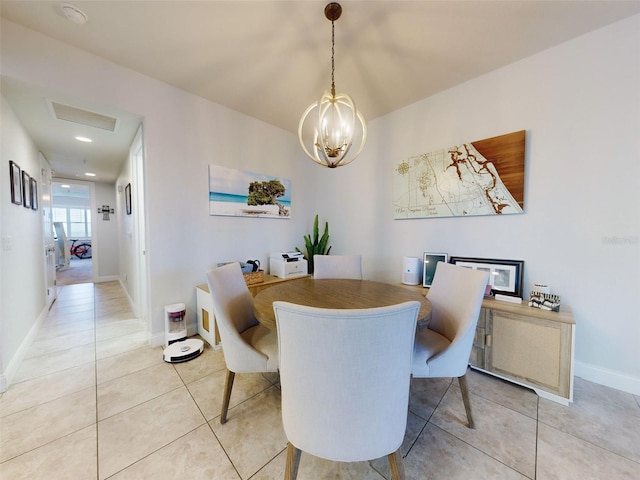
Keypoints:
pixel 333 46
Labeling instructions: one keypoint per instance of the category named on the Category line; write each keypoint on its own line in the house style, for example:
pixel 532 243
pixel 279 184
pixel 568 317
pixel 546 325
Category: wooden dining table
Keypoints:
pixel 336 293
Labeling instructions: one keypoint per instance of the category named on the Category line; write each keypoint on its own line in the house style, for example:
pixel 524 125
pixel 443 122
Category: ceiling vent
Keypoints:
pixel 83 117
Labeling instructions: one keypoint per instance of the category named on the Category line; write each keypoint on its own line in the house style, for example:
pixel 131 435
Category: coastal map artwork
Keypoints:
pixel 245 194
pixel 484 177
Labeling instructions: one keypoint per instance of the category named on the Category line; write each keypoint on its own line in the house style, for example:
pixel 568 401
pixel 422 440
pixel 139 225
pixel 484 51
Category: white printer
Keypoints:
pixel 287 264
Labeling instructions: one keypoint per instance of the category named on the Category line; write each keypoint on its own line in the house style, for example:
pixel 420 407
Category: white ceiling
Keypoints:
pixel 56 138
pixel 63 191
pixel 271 59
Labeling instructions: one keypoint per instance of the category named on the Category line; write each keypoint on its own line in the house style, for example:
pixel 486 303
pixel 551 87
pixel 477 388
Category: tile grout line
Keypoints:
pixel 95 366
pixel 208 423
pixel 535 450
pixel 427 420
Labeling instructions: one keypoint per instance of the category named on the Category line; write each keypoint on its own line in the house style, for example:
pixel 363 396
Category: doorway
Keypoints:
pixel 73 228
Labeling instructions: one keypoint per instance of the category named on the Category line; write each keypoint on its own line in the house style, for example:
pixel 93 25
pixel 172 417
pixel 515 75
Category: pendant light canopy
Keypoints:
pixel 332 131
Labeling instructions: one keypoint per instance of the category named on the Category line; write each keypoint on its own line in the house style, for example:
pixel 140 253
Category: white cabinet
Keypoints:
pixel 207 327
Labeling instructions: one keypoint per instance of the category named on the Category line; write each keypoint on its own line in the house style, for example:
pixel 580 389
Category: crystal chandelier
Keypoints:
pixel 332 131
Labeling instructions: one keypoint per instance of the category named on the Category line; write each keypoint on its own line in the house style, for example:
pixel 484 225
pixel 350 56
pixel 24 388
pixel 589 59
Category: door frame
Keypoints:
pixel 46 204
pixel 137 159
pixel 94 219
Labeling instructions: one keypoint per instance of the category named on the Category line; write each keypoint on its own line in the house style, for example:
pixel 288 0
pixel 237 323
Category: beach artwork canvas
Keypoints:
pixel 239 193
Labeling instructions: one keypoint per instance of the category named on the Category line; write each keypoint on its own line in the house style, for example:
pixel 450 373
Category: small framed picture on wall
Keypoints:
pixel 26 190
pixel 33 189
pixel 127 198
pixel 16 185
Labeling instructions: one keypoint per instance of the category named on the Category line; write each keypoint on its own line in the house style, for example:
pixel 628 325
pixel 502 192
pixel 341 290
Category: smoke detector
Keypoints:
pixel 73 13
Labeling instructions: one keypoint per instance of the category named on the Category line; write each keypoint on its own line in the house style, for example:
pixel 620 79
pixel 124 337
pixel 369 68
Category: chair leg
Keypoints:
pixel 228 385
pixel 293 461
pixel 465 398
pixel 397 465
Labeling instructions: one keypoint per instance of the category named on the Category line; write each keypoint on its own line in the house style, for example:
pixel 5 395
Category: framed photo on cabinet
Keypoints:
pixel 505 276
pixel 430 261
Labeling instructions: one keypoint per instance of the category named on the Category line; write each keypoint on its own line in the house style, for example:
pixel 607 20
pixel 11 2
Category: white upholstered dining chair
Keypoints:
pixel 345 377
pixel 337 266
pixel 442 348
pixel 247 346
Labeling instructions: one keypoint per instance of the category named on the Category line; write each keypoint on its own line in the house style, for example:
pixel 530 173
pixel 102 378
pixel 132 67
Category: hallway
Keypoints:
pixel 78 271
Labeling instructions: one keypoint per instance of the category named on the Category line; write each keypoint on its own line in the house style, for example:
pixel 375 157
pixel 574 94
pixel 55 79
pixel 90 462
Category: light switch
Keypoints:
pixel 7 243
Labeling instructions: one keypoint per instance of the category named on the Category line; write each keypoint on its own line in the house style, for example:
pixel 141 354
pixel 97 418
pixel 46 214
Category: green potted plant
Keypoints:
pixel 317 245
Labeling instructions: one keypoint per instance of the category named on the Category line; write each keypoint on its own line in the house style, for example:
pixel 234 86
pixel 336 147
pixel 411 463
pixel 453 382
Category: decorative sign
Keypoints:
pixel 544 301
pixel 238 193
pixel 485 177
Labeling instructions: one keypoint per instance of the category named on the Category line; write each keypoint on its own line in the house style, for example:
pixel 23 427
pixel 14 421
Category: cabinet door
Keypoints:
pixel 207 327
pixel 531 350
pixel 478 350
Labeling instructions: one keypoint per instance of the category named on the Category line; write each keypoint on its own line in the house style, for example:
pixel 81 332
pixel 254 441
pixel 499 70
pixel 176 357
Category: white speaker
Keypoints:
pixel 411 271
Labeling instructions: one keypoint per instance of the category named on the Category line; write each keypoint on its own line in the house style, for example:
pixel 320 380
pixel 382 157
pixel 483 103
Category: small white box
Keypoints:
pixel 279 267
pixel 411 271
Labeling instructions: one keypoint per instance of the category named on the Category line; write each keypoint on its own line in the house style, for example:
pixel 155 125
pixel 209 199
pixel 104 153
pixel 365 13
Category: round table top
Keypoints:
pixel 336 293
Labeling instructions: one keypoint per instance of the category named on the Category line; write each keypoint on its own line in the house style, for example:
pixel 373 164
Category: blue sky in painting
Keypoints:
pixel 236 182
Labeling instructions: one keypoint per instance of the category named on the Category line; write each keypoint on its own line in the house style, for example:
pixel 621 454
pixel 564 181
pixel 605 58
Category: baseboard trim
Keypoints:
pixel 107 278
pixel 156 340
pixel 129 299
pixel 7 377
pixel 608 378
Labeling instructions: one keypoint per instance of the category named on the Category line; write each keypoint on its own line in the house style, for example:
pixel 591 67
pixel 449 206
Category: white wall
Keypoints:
pixel 580 106
pixel 183 135
pixel 184 240
pixel 105 238
pixel 22 281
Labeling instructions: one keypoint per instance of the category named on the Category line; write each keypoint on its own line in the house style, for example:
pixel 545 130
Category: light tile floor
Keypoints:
pixel 92 401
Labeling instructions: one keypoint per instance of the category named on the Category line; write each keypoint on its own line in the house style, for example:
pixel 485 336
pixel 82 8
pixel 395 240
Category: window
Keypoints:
pixel 76 221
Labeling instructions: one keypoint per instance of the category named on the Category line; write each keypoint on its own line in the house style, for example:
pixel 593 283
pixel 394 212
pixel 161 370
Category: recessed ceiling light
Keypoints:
pixel 83 139
pixel 64 185
pixel 73 13
pixel 88 174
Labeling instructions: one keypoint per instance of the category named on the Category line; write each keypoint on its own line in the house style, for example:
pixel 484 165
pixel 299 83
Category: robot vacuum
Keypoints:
pixel 183 351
